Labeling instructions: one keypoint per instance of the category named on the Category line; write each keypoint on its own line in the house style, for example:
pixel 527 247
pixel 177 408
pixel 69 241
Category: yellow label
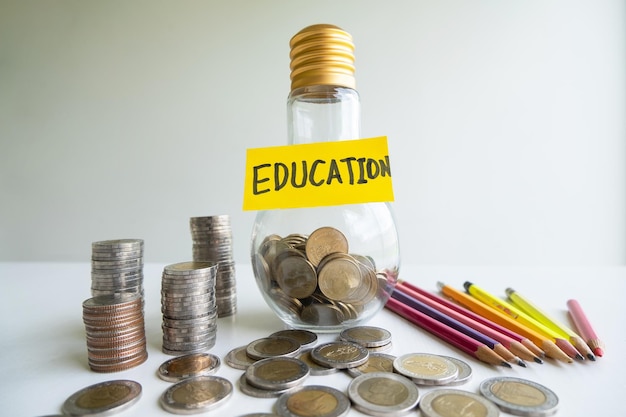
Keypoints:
pixel 318 174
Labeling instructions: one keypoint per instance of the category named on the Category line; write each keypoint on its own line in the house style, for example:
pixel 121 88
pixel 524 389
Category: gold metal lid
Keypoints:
pixel 322 55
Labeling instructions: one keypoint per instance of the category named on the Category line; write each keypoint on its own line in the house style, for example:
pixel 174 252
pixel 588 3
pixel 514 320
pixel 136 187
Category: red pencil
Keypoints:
pixel 584 327
pixel 463 342
pixel 478 318
pixel 509 343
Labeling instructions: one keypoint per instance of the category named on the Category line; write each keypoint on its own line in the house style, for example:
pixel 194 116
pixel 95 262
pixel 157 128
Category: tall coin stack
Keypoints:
pixel 116 338
pixel 189 307
pixel 117 267
pixel 213 241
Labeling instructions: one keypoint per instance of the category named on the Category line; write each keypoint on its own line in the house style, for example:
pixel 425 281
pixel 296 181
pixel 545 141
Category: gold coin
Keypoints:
pixel 295 275
pixel 339 279
pixel 324 241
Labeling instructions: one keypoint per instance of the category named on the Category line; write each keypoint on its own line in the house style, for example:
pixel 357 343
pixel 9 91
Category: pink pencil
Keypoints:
pixel 583 325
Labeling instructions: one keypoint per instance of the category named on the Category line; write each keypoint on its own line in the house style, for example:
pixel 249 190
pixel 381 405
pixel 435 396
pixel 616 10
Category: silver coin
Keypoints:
pixel 426 369
pixel 317 400
pixel 103 398
pixel 368 336
pixel 520 397
pixel 465 371
pixel 196 395
pixel 376 362
pixel 306 338
pixel 238 358
pixel 269 347
pixel 187 366
pixel 340 354
pixel 277 373
pixel 456 403
pixel 252 391
pixel 383 394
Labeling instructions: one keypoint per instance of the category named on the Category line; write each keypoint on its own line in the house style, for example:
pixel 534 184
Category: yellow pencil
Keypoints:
pixel 540 341
pixel 519 316
pixel 535 312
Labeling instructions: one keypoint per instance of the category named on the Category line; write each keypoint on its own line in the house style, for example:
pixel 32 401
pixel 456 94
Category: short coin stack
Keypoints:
pixel 115 330
pixel 189 307
pixel 117 267
pixel 213 241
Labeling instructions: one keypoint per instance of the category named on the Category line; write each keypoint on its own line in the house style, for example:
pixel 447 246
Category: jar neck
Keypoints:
pixel 323 113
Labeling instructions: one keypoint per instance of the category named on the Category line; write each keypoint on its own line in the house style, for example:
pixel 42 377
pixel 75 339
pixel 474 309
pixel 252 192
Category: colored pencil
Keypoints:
pixel 582 323
pixel 548 346
pixel 516 348
pixel 459 340
pixel 530 308
pixel 518 315
pixel 521 340
pixel 490 342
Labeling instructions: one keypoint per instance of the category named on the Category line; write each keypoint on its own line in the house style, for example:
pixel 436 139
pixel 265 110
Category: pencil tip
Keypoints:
pixel 591 356
pixel 440 285
pixel 467 284
pixel 509 291
pixel 598 352
pixel 538 360
pixel 521 363
pixel 580 357
pixel 508 365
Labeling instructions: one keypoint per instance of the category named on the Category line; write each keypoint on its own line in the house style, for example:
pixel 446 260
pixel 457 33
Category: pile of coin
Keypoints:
pixel 117 267
pixel 315 278
pixel 115 330
pixel 213 241
pixel 189 307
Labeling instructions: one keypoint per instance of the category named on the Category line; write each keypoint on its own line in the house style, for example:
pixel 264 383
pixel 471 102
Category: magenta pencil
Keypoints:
pixel 461 341
pixel 477 317
pixel 584 327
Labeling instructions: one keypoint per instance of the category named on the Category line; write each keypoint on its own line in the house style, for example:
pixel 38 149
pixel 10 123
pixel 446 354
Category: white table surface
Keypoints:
pixel 43 356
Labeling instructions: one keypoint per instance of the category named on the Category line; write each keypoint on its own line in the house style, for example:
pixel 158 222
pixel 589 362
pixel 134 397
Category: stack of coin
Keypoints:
pixel 213 241
pixel 117 267
pixel 189 307
pixel 300 273
pixel 116 338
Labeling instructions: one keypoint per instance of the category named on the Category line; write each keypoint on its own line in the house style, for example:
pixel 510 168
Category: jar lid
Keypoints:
pixel 322 55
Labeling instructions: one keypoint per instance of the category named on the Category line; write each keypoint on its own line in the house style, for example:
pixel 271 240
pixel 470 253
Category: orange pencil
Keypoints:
pixel 523 318
pixel 547 345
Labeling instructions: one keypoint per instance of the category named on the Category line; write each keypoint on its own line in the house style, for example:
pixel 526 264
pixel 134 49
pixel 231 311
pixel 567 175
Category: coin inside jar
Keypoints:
pixel 186 366
pixel 324 241
pixel 103 398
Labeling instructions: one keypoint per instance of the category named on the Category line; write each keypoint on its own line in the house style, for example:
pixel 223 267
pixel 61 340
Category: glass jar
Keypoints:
pixel 326 268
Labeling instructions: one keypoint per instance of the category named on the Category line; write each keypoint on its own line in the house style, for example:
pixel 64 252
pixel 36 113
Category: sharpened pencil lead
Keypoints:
pixel 508 365
pixel 521 363
pixel 538 360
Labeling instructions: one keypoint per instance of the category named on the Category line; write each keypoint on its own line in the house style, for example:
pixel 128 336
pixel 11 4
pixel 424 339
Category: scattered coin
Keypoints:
pixel 238 358
pixel 520 397
pixel 314 367
pixel 187 366
pixel 376 362
pixel 103 398
pixel 426 369
pixel 368 336
pixel 250 390
pixel 277 373
pixel 340 354
pixel 383 394
pixel 313 400
pixel 456 403
pixel 306 338
pixel 196 395
pixel 269 347
pixel 465 371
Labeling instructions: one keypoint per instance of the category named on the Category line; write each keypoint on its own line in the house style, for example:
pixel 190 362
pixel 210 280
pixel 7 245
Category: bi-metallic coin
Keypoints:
pixel 196 395
pixel 520 397
pixel 456 403
pixel 103 398
pixel 383 394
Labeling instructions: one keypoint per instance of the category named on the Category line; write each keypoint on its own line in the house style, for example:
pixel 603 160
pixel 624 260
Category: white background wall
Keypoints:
pixel 506 122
